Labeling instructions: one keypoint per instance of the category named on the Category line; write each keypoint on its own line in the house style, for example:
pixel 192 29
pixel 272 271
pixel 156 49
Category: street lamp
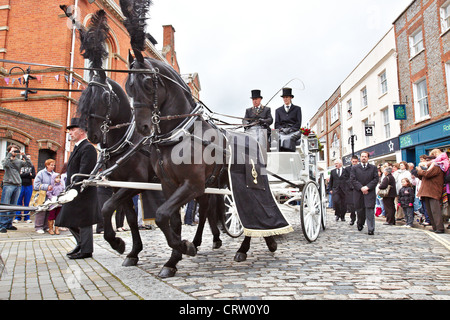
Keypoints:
pixel 27 76
pixel 351 140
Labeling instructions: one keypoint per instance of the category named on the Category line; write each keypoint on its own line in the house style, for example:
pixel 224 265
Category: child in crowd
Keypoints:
pixel 58 187
pixel 406 200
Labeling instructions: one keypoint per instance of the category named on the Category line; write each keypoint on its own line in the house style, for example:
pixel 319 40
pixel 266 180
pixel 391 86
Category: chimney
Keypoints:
pixel 169 46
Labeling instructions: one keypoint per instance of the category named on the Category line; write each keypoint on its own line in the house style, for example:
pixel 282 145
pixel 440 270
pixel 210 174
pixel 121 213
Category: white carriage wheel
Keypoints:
pixel 310 211
pixel 231 222
pixel 323 197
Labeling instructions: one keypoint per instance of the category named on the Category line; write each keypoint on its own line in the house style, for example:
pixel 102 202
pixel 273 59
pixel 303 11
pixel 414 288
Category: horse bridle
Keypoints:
pixel 105 127
pixel 156 113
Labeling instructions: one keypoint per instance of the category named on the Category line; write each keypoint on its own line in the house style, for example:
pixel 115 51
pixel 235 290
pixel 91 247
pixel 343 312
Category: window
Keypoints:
pixel 383 83
pixel 364 102
pixel 386 123
pixel 4 143
pixel 421 100
pixel 445 17
pixel 335 143
pixel 416 42
pixel 349 108
pixel 334 114
pixel 322 123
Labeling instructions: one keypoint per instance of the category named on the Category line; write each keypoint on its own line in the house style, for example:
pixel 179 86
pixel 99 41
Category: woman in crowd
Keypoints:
pixel 43 181
pixel 388 201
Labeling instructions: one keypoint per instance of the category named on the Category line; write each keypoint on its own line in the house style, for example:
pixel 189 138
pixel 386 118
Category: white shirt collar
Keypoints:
pixel 78 143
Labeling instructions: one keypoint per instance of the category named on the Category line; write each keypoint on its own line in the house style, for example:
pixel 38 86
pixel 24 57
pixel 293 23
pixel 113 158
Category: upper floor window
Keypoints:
pixel 421 99
pixel 416 42
pixel 349 108
pixel 386 123
pixel 445 17
pixel 364 101
pixel 383 83
pixel 334 114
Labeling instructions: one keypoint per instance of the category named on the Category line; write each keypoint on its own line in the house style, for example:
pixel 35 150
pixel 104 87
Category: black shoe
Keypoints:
pixel 371 233
pixel 75 250
pixel 337 218
pixel 11 228
pixel 360 228
pixel 352 223
pixel 3 230
pixel 439 231
pixel 80 255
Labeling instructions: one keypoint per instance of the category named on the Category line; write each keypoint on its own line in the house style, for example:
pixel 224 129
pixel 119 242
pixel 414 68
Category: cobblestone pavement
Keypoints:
pixel 395 263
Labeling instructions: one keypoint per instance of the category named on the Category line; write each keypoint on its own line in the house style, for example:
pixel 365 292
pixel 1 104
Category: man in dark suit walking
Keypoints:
pixel 288 120
pixel 364 178
pixel 349 191
pixel 80 214
pixel 337 188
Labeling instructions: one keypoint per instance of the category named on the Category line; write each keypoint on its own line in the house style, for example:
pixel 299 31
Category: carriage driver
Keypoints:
pixel 258 115
pixel 288 120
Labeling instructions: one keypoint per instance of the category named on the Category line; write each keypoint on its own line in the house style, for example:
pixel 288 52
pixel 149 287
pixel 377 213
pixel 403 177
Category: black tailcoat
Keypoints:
pixel 83 210
pixel 291 119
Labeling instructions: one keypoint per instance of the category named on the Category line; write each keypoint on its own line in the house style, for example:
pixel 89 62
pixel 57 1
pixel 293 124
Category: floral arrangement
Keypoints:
pixel 305 131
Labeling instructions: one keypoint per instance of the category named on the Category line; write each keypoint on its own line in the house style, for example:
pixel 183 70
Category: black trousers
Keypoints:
pixel 84 238
pixel 339 204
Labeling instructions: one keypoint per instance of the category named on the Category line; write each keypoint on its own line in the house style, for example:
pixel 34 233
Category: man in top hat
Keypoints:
pixel 288 120
pixel 80 214
pixel 259 115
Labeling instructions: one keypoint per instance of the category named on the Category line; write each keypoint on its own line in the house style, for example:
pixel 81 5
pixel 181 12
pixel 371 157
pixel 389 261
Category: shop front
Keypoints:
pixel 387 151
pixel 421 141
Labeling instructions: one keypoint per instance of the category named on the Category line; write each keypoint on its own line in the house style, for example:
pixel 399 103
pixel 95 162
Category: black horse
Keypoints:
pixel 106 110
pixel 165 110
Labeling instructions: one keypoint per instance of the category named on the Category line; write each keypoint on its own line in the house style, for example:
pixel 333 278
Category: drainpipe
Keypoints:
pixel 69 103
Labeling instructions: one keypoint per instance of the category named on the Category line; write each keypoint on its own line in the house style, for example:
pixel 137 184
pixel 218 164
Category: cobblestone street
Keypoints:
pixel 396 263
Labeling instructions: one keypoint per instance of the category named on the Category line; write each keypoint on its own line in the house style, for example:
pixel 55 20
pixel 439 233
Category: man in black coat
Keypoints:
pixel 349 191
pixel 364 178
pixel 259 115
pixel 80 214
pixel 338 188
pixel 288 120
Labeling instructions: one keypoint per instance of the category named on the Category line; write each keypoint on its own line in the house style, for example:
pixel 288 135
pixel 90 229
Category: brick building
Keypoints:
pixel 422 34
pixel 39 32
pixel 326 124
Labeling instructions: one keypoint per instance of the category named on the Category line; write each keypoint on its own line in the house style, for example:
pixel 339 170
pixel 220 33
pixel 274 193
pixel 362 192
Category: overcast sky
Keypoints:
pixel 239 45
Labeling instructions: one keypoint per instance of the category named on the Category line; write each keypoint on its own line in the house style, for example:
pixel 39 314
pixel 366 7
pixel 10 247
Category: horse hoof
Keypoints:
pixel 167 272
pixel 217 244
pixel 119 245
pixel 272 245
pixel 130 262
pixel 240 257
pixel 191 250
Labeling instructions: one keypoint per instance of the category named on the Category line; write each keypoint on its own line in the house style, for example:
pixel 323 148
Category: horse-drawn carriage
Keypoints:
pixel 296 184
pixel 159 125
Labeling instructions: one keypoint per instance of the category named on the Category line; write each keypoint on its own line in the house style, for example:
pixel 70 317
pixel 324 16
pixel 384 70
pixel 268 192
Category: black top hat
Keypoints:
pixel 287 92
pixel 74 123
pixel 256 94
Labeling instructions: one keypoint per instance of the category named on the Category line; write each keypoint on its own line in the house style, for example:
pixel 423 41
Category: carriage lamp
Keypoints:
pixel 313 143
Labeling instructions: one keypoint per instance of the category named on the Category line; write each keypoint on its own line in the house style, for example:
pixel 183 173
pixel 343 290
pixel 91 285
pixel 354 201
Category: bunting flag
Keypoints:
pixel 22 80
